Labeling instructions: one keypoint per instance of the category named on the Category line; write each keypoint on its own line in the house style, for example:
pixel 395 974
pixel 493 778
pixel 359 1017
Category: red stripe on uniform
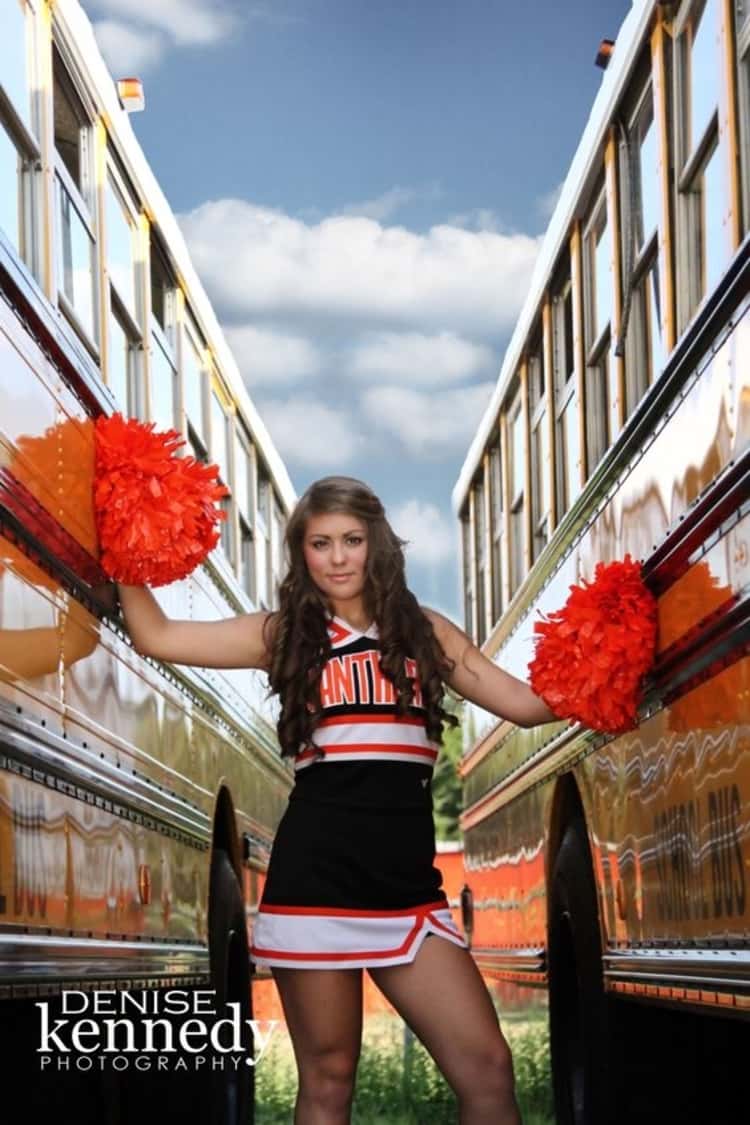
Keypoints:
pixel 346 912
pixel 377 747
pixel 441 925
pixel 408 720
pixel 337 633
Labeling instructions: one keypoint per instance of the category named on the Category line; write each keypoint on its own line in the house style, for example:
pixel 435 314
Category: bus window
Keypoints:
pixel 244 491
pixel 480 554
pixel 121 364
pixel 163 386
pixel 517 495
pixel 598 303
pixel 263 530
pixel 220 456
pixel 567 444
pixel 163 290
pixel 15 77
pixel 468 569
pixel 540 493
pixel 75 205
pixel 194 390
pixel 496 528
pixel 644 339
pixel 122 235
pixel 19 150
pixel 742 32
pixel 702 166
pixel 11 176
pixel 123 368
pixel 277 548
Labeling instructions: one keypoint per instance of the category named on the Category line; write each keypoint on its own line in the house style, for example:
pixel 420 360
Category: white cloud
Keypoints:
pixel 128 50
pixel 186 22
pixel 415 358
pixel 480 218
pixel 428 423
pixel 433 539
pixel 310 433
pixel 382 206
pixel 265 356
pixel 255 260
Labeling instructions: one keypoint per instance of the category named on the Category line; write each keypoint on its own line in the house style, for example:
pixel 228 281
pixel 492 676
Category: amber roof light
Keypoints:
pixel 604 54
pixel 130 93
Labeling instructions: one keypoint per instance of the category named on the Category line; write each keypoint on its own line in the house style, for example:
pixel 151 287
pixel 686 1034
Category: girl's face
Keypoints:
pixel 335 550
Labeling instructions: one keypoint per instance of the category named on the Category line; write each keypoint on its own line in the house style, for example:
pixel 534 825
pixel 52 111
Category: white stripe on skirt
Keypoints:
pixel 332 938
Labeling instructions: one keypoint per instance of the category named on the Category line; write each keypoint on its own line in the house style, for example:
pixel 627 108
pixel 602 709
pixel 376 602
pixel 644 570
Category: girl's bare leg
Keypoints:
pixel 442 997
pixel 323 1012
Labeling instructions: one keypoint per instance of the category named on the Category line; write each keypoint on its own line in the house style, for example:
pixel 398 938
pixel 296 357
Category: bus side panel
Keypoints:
pixel 667 807
pixel 673 846
pixel 504 859
pixel 68 864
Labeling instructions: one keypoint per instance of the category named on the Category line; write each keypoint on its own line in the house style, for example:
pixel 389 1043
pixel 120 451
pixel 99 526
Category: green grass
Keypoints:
pixel 402 1086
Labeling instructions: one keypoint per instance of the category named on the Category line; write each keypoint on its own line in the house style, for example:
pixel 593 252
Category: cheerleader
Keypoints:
pixel 359 667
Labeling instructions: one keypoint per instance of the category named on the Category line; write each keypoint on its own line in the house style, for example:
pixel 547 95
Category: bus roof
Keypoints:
pixel 627 45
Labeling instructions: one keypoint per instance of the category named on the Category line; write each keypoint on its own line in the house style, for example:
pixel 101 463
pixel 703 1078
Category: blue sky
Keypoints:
pixel 363 188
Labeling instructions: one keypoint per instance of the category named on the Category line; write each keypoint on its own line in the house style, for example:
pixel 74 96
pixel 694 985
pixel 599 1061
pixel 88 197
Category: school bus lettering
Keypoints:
pixel 683 893
pixel 727 867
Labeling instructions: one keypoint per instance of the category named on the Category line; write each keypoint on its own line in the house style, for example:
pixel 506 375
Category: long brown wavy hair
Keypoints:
pixel 300 643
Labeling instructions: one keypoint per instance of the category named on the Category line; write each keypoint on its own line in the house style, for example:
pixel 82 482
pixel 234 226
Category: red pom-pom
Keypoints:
pixel 591 656
pixel 155 510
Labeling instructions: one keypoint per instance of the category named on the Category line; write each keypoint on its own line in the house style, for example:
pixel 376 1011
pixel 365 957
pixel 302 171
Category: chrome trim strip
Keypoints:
pixel 48 756
pixel 25 957
pixel 512 960
pixel 719 961
pixel 740 984
pixel 564 751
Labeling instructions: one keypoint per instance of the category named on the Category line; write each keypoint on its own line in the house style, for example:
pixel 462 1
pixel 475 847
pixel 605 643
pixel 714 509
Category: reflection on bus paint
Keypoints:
pixel 686 889
pixel 29 868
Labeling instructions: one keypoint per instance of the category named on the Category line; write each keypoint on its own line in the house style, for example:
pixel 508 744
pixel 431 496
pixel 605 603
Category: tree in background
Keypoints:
pixel 446 782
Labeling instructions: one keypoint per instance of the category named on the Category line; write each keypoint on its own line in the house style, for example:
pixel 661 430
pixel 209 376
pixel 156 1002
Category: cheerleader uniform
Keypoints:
pixel 350 880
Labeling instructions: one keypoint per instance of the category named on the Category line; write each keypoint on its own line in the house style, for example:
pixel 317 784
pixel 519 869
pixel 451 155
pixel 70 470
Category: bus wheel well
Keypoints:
pixel 582 1073
pixel 232 1092
pixel 224 834
pixel 567 806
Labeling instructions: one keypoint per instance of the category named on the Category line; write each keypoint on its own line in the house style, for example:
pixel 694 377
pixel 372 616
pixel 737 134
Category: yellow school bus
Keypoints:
pixel 138 801
pixel 613 873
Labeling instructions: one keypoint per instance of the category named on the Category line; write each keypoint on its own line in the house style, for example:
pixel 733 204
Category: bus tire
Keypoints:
pixel 232 1092
pixel 577 1000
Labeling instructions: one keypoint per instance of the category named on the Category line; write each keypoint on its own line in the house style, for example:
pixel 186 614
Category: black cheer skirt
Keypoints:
pixel 350 887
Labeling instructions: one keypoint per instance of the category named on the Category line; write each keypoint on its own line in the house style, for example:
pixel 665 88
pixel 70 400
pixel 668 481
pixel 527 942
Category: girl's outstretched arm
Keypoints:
pixel 233 642
pixel 480 681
